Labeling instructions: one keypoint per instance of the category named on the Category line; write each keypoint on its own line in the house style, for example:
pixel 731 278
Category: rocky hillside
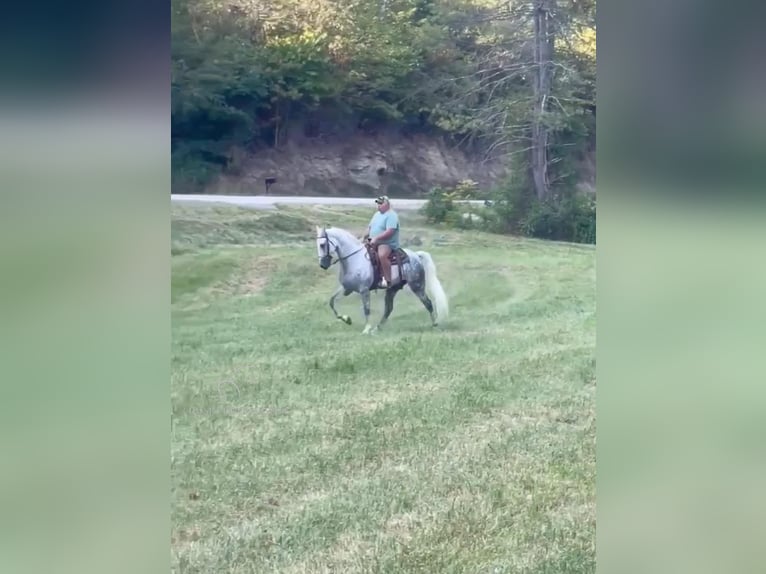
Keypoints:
pixel 358 165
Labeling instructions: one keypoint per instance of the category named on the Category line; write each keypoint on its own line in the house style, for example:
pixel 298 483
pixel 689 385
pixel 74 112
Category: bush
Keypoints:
pixel 572 218
pixel 466 189
pixel 566 217
pixel 514 209
pixel 192 176
pixel 584 220
pixel 440 206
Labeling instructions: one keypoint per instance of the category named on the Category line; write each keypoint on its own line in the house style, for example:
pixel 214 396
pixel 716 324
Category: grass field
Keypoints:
pixel 299 445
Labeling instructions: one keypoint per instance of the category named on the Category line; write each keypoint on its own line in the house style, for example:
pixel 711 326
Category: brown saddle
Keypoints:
pixel 398 258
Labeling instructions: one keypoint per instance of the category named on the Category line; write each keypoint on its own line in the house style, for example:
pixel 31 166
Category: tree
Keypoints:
pixel 506 78
pixel 544 53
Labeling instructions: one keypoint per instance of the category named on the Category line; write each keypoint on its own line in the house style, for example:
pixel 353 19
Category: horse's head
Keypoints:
pixel 325 247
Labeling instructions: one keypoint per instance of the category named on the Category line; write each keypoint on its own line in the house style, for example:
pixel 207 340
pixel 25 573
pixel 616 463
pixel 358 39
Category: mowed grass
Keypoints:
pixel 301 446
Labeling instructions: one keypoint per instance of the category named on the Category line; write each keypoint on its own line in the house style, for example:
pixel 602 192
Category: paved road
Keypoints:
pixel 271 201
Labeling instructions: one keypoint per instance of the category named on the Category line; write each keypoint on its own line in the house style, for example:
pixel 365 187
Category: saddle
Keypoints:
pixel 398 258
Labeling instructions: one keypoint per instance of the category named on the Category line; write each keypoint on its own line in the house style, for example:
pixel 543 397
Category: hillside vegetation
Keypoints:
pixel 514 79
pixel 300 446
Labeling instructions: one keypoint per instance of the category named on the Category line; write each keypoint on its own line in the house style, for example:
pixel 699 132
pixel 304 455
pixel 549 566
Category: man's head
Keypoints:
pixel 383 203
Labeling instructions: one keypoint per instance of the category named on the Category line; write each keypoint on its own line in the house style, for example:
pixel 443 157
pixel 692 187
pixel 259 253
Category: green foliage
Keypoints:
pixel 243 71
pixel 440 206
pixel 465 189
pixel 566 217
pixel 514 209
pixel 583 218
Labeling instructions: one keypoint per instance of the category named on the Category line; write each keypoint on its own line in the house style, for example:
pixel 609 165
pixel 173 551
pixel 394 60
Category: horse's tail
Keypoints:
pixel 434 287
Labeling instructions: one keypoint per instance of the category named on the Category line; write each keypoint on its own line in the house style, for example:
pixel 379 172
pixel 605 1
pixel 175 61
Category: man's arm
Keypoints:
pixel 383 236
pixel 369 227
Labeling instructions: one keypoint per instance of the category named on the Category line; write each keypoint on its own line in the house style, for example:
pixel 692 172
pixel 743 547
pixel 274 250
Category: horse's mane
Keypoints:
pixel 342 232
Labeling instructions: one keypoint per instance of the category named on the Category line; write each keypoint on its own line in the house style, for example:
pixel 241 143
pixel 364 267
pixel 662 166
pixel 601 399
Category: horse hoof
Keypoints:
pixel 346 319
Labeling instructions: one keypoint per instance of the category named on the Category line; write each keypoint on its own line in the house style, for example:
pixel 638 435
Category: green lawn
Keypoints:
pixel 300 445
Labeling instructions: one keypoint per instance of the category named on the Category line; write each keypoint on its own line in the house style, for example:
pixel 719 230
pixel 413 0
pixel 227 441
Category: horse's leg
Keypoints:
pixel 417 283
pixel 340 290
pixel 390 294
pixel 420 292
pixel 365 294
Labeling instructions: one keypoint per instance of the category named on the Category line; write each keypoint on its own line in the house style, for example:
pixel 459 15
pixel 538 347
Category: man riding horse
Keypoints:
pixel 383 233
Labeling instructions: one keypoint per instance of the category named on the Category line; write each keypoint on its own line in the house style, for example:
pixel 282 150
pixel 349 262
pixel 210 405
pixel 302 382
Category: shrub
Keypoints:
pixel 572 218
pixel 515 209
pixel 584 220
pixel 438 205
pixel 466 189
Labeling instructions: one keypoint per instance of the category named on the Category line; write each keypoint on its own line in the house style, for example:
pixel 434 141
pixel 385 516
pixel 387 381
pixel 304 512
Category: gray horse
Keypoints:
pixel 357 275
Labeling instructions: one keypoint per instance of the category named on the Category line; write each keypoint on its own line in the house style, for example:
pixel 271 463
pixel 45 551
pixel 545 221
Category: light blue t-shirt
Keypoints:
pixel 380 222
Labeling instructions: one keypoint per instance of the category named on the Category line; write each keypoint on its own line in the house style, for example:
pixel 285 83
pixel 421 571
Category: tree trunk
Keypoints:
pixel 544 39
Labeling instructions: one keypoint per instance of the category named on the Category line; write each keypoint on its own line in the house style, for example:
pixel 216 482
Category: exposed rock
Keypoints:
pixel 358 165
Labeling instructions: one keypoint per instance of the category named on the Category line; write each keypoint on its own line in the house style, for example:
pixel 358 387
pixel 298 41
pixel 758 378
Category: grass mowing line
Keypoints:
pixel 453 496
pixel 465 449
pixel 480 431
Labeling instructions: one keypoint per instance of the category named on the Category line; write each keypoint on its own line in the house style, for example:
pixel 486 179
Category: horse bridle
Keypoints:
pixel 327 254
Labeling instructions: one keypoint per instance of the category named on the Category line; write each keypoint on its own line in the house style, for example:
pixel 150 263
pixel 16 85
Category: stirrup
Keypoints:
pixel 383 283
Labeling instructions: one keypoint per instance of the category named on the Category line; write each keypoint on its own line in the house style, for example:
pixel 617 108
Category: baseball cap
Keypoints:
pixel 382 199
